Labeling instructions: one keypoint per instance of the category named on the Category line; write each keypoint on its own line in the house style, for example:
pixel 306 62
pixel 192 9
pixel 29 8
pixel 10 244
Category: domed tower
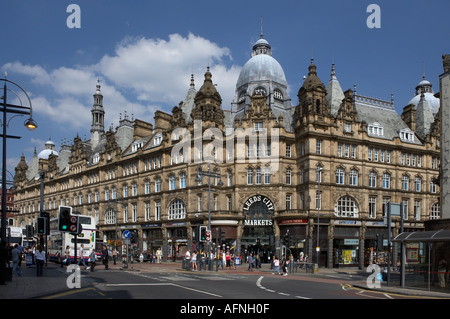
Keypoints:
pixel 262 75
pixel 50 148
pixel 426 88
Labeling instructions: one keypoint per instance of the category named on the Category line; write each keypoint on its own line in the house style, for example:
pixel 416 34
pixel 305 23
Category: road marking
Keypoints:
pixel 258 284
pixel 165 284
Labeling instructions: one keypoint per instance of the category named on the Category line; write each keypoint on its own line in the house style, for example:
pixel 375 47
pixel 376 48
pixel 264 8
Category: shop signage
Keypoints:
pixel 256 199
pixel 258 210
pixel 348 222
pixel 293 221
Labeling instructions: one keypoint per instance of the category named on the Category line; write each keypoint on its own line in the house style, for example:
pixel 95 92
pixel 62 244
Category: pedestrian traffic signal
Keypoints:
pixel 68 222
pixel 41 226
pixel 203 233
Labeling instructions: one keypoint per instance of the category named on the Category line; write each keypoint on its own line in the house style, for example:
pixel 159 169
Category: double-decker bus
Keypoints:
pixel 58 241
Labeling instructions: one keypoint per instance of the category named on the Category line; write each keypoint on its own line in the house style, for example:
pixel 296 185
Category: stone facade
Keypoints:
pixel 325 167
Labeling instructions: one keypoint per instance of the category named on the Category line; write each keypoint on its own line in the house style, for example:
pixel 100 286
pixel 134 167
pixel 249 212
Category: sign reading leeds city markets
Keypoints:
pixel 258 210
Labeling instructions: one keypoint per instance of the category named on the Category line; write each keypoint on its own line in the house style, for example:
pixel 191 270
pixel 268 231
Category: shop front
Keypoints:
pixel 346 243
pixel 375 243
pixel 294 230
pixel 258 236
pixel 177 242
pixel 152 238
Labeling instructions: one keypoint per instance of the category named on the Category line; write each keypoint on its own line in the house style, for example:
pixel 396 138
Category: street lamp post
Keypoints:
pixel 318 204
pixel 210 174
pixel 30 124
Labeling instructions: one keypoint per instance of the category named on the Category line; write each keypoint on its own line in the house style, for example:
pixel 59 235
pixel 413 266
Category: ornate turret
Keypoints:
pixel 98 118
pixel 208 104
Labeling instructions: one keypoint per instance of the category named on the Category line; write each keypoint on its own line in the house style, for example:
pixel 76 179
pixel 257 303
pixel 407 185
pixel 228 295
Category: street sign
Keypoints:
pixel 126 234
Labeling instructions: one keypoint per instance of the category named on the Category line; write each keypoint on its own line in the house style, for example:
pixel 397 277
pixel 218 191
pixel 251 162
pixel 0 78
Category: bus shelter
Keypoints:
pixel 426 259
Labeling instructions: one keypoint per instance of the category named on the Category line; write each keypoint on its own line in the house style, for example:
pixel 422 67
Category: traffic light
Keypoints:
pixel 202 233
pixel 41 226
pixel 68 222
pixel 65 213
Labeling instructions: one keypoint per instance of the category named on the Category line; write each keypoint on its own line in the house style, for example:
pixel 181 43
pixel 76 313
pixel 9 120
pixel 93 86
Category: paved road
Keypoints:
pixel 181 285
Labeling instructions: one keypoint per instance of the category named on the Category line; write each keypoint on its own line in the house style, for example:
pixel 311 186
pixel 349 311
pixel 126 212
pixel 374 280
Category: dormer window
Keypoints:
pixel 375 129
pixel 258 126
pixel 157 139
pixel 406 135
pixel 136 145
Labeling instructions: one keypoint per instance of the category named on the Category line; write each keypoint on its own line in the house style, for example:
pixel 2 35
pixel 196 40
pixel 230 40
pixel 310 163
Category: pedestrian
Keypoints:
pixel 92 257
pixel 194 261
pixel 105 256
pixel 187 259
pixel 82 257
pixel 66 260
pixel 228 260
pixel 16 259
pixel 284 265
pixel 114 255
pixel 442 269
pixel 40 260
pixel 276 266
pixel 219 261
pixel 3 260
pixel 250 262
pixel 158 255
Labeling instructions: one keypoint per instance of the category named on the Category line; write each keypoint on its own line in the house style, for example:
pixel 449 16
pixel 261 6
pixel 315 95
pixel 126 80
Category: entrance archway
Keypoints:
pixel 258 236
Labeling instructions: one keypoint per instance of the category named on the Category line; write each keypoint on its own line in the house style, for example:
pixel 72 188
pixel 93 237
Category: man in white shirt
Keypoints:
pixel 40 260
pixel 187 258
pixel 82 257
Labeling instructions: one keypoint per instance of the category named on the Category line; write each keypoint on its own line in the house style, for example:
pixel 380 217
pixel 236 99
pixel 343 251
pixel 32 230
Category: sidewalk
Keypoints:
pixel 28 286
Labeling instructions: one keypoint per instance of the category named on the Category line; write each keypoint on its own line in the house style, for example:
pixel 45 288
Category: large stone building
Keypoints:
pixel 320 170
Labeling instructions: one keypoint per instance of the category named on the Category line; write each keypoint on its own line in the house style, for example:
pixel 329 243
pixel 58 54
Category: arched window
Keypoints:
pixel 177 209
pixel 346 207
pixel 277 94
pixel 260 91
pixel 110 217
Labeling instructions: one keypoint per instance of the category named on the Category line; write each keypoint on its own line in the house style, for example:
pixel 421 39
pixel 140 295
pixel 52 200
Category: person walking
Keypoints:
pixel 284 265
pixel 194 261
pixel 114 255
pixel 66 259
pixel 92 259
pixel 158 255
pixel 16 259
pixel 187 259
pixel 276 266
pixel 81 260
pixel 105 256
pixel 40 260
pixel 228 260
pixel 250 262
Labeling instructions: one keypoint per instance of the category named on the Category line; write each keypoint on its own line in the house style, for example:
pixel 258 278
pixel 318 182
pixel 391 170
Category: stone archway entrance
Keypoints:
pixel 259 234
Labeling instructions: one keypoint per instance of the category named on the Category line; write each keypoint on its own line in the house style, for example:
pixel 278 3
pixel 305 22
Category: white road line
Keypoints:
pixel 258 284
pixel 165 284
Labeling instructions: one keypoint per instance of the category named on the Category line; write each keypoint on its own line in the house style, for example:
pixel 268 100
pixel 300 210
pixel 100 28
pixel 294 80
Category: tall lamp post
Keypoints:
pixel 318 204
pixel 29 123
pixel 210 174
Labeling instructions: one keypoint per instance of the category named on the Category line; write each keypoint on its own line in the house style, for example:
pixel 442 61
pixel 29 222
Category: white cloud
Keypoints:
pixel 142 75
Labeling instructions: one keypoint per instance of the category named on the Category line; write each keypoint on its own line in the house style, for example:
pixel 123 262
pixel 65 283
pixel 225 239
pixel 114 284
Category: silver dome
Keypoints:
pixel 261 67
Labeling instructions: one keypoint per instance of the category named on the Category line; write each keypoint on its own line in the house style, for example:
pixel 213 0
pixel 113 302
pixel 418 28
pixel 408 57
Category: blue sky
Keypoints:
pixel 144 51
